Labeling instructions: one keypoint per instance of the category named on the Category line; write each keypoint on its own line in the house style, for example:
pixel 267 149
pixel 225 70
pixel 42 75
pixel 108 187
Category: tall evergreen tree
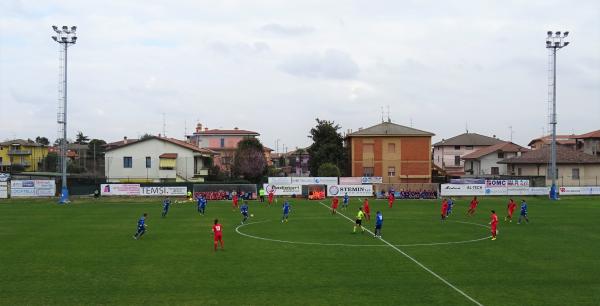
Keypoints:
pixel 327 147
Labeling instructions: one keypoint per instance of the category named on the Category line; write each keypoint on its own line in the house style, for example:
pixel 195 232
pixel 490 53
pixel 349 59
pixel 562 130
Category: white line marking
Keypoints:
pixel 417 262
pixel 237 229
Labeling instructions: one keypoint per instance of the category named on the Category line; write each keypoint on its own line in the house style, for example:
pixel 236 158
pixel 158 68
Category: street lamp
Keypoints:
pixel 65 36
pixel 554 42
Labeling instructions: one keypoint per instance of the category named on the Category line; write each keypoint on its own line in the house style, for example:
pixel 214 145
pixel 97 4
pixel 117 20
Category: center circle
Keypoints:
pixel 239 227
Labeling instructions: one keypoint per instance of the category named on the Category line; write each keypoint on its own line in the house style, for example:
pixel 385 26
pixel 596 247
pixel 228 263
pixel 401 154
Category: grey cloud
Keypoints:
pixel 286 30
pixel 333 64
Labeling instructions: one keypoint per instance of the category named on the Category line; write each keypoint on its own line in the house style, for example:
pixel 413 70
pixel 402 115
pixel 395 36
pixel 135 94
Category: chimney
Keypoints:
pixel 199 127
pixel 236 128
pixel 124 139
pixel 158 135
pixel 206 129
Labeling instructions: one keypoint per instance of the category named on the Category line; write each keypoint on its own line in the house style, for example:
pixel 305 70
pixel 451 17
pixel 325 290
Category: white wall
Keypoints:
pixel 447 153
pixel 152 148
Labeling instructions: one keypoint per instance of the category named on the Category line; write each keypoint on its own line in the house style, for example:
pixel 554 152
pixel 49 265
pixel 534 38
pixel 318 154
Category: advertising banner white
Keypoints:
pixel 3 190
pixel 351 190
pixel 586 190
pixel 4 177
pixel 280 180
pixel 283 189
pixel 372 180
pixel 163 191
pixel 351 180
pixel 120 189
pixel 32 188
pixel 462 189
pixel 314 180
pixel 538 191
pixel 506 183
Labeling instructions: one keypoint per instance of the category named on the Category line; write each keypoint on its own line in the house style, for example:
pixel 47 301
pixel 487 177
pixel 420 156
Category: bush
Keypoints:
pixel 328 169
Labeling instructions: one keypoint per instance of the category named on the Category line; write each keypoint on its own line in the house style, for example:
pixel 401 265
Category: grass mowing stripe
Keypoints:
pixel 415 261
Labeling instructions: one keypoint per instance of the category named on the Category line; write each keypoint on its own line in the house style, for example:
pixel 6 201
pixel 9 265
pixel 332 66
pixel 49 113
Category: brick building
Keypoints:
pixel 397 153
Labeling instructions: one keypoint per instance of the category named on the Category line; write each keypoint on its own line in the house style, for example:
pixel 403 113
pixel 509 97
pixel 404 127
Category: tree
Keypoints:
pixel 249 162
pixel 328 169
pixel 327 147
pixel 50 162
pixel 42 140
pixel 81 139
pixel 146 136
pixel 96 146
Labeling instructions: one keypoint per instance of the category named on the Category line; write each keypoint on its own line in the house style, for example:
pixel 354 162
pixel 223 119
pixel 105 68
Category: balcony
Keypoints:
pixel 19 152
pixel 201 172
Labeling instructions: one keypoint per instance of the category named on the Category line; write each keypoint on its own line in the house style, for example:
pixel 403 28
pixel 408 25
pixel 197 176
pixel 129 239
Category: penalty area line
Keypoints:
pixel 415 261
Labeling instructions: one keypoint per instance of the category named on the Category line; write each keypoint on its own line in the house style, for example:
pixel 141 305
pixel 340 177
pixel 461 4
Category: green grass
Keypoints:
pixel 84 254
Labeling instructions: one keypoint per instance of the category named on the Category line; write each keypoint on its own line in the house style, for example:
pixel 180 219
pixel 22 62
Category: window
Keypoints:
pixel 519 171
pixel 456 147
pixel 222 142
pixel 368 148
pixel 457 160
pixel 368 171
pixel 391 171
pixel 391 148
pixel 495 171
pixel 469 147
pixel 500 154
pixel 575 173
pixel 148 162
pixel 127 162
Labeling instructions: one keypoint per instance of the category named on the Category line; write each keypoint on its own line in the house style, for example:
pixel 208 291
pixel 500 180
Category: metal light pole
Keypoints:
pixel 554 42
pixel 65 37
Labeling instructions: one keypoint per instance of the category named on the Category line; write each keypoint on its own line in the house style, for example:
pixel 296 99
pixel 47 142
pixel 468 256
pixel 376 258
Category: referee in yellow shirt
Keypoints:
pixel 359 218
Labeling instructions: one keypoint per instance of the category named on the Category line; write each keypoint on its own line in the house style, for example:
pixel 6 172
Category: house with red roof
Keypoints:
pixel 567 141
pixel 484 161
pixel 225 143
pixel 589 142
pixel 156 159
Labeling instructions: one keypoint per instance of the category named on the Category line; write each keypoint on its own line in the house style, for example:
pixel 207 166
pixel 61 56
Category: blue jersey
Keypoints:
pixel 450 204
pixel 346 198
pixel 523 208
pixel 201 202
pixel 286 208
pixel 244 209
pixel 166 204
pixel 142 222
pixel 379 220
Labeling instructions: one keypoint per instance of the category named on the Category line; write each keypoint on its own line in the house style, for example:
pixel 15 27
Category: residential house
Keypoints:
pixel 484 162
pixel 22 155
pixel 225 143
pixel 298 161
pixel 567 141
pixel 397 153
pixel 448 153
pixel 574 168
pixel 589 142
pixel 157 159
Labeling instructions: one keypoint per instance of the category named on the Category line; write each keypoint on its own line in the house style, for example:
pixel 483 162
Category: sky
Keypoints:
pixel 274 66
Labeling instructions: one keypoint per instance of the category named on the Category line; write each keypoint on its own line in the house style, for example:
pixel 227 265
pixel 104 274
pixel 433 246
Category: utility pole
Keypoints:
pixel 554 42
pixel 65 37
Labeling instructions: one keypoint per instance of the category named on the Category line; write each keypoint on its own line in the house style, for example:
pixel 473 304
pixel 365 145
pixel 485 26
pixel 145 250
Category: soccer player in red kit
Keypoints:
pixel 444 209
pixel 334 205
pixel 391 199
pixel 511 209
pixel 494 224
pixel 218 232
pixel 473 206
pixel 271 195
pixel 235 202
pixel 366 209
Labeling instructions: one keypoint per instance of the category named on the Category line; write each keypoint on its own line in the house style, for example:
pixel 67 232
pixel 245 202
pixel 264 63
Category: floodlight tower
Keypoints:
pixel 65 37
pixel 554 42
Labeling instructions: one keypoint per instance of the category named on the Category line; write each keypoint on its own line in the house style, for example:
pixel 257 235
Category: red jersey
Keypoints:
pixel 494 220
pixel 366 207
pixel 271 195
pixel 391 197
pixel 474 203
pixel 335 202
pixel 235 199
pixel 217 229
pixel 444 207
pixel 512 206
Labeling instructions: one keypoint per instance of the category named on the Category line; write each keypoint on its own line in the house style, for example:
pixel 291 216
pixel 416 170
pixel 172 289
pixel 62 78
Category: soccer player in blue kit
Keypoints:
pixel 378 224
pixel 166 204
pixel 201 204
pixel 141 227
pixel 523 212
pixel 286 211
pixel 244 211
pixel 346 200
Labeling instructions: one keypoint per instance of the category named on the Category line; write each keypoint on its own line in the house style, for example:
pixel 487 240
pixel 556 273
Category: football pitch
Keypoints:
pixel 84 254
